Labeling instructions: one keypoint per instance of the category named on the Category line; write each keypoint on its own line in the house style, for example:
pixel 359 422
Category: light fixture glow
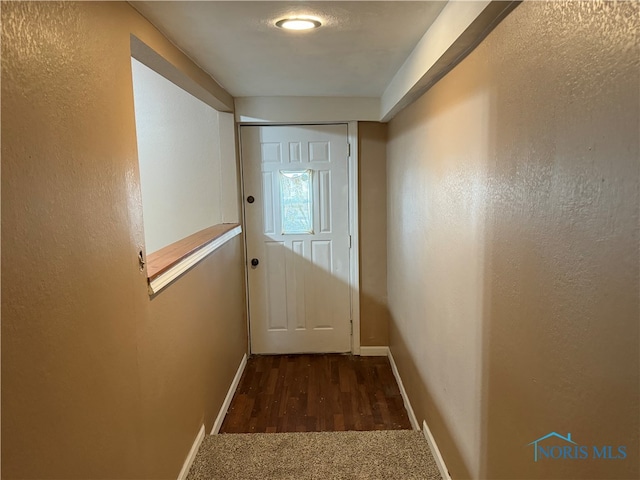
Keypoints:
pixel 298 23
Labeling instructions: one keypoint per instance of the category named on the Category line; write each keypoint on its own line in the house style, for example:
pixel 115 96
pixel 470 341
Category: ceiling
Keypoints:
pixel 355 53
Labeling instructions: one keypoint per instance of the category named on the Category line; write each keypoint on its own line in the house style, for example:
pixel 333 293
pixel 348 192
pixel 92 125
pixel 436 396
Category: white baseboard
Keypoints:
pixel 405 398
pixel 227 400
pixel 414 421
pixel 435 451
pixel 192 455
pixel 381 351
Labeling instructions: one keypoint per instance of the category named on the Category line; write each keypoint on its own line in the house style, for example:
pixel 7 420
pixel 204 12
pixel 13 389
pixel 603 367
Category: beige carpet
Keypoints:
pixel 381 455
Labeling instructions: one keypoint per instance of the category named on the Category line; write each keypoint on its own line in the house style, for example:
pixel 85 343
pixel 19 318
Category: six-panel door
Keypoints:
pixel 297 231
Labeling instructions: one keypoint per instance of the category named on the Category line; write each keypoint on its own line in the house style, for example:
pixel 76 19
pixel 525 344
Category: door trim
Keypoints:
pixel 354 251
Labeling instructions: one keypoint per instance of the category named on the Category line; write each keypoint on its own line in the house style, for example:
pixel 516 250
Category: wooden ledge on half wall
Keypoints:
pixel 168 263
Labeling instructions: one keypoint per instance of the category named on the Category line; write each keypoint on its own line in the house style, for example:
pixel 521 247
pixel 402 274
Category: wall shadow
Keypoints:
pixel 372 214
pixel 439 157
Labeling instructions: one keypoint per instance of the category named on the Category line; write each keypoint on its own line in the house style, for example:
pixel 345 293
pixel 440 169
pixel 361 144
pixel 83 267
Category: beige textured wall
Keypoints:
pixel 513 244
pixel 374 312
pixel 98 380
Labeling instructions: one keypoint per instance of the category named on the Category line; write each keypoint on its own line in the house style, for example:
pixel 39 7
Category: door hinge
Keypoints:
pixel 350 245
pixel 348 149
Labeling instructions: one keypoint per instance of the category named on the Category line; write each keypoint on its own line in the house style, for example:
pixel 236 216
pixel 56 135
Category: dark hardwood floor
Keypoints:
pixel 316 393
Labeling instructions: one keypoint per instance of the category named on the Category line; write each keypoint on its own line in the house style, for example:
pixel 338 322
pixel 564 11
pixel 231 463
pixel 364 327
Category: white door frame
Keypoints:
pixel 354 251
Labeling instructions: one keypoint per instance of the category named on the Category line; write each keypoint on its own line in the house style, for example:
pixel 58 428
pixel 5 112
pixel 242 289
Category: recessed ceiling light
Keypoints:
pixel 298 23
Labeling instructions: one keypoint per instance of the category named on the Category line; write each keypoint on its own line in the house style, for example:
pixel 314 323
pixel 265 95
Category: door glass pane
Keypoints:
pixel 296 202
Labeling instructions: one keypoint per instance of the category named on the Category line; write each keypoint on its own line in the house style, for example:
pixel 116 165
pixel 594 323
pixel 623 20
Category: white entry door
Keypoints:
pixel 297 230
